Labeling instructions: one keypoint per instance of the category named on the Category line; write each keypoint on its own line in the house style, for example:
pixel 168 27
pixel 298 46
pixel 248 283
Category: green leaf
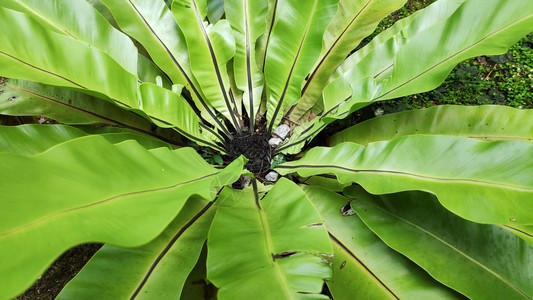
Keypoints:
pixel 149 72
pixel 376 58
pixel 523 231
pixel 215 10
pixel 157 270
pixel 364 90
pixel 28 51
pixel 79 20
pixel 89 190
pixel 484 261
pixel 20 97
pixel 168 109
pixel 274 9
pixel 292 51
pixel 328 182
pixel 153 25
pixel 421 66
pixel 406 63
pixel 248 20
pixel 270 247
pixel 354 21
pixel 31 139
pixel 196 286
pixel 104 11
pixel 364 267
pixel 218 159
pixel 480 122
pixel 276 160
pixel 213 46
pixel 26 98
pixel 471 178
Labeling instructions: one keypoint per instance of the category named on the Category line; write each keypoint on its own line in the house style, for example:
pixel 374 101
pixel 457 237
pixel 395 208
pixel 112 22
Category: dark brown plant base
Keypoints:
pixel 255 147
pixel 60 273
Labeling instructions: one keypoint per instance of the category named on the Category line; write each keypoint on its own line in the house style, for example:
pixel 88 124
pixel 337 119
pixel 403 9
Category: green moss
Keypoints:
pixel 503 80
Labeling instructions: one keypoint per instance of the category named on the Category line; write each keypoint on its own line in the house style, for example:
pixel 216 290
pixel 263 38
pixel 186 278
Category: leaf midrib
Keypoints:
pixel 452 56
pixel 42 70
pixel 29 8
pixel 248 67
pixel 453 248
pixel 362 264
pixel 169 245
pixel 180 68
pixel 287 82
pixel 270 249
pixel 425 177
pixel 332 47
pixel 215 65
pixel 94 204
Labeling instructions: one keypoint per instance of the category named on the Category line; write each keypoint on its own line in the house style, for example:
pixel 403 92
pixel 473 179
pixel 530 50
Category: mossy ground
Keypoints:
pixel 505 79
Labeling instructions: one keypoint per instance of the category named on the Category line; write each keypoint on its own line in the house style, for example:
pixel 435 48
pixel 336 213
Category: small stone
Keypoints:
pixel 272 176
pixel 274 142
pixel 282 131
pixel 346 210
pixel 245 181
pixel 379 112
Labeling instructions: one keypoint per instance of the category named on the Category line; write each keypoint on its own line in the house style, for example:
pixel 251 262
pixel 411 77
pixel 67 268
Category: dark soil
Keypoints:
pixel 255 147
pixel 60 273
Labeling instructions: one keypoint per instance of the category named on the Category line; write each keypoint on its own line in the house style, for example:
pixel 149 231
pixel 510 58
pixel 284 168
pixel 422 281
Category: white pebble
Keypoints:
pixel 245 180
pixel 274 142
pixel 272 176
pixel 282 131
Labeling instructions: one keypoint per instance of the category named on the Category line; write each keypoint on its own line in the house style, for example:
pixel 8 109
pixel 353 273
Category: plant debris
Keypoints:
pixel 255 147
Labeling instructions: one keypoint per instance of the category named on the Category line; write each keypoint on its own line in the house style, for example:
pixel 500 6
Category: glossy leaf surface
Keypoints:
pixel 155 270
pixel 293 49
pixel 83 196
pixel 354 21
pixel 26 98
pixel 168 109
pixel 491 35
pixel 248 20
pixel 152 24
pixel 213 46
pixel 268 247
pixel 484 261
pixel 523 231
pixel 470 177
pixel 393 66
pixel 364 267
pixel 482 122
pixel 28 51
pixel 375 59
pixel 79 20
pixel 20 97
pixel 31 139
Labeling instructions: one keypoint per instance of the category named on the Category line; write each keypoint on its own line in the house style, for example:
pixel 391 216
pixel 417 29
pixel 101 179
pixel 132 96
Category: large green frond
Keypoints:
pixel 482 262
pixel 157 270
pixel 470 177
pixel 272 246
pixel 92 190
pixel 364 267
